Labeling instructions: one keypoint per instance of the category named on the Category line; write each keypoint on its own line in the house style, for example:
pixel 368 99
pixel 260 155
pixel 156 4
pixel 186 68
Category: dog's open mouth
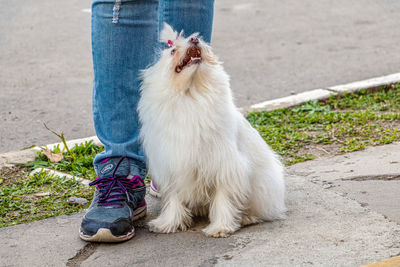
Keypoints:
pixel 193 56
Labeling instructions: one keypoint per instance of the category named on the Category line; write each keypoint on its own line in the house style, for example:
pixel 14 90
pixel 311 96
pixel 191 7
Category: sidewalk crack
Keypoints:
pixel 376 177
pixel 82 255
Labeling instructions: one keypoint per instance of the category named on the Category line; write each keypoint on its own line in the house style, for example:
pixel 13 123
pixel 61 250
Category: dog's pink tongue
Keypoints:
pixel 178 69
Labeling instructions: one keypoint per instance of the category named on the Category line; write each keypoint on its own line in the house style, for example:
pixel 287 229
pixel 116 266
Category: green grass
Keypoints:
pixel 338 125
pixel 18 203
pixel 78 162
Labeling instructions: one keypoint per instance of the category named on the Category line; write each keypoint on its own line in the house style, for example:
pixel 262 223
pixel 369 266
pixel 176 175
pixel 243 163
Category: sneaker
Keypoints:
pixel 154 190
pixel 118 201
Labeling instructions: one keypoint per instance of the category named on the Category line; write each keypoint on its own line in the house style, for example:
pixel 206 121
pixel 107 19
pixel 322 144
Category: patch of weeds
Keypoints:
pixel 77 161
pixel 338 125
pixel 26 198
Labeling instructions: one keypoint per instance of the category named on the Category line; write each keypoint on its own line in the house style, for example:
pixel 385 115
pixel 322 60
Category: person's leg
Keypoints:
pixel 190 16
pixel 124 37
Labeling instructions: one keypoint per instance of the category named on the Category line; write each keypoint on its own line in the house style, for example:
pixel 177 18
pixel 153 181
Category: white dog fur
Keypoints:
pixel 203 155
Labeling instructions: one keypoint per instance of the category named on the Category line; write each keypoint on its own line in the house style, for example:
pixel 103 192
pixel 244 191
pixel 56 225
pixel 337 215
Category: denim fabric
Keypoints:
pixel 124 41
pixel 107 167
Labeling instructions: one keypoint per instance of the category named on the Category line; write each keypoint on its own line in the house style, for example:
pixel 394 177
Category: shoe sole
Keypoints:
pixel 105 235
pixel 154 192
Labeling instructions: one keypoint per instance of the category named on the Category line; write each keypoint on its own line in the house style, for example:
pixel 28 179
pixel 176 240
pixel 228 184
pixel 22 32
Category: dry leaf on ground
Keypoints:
pixel 52 156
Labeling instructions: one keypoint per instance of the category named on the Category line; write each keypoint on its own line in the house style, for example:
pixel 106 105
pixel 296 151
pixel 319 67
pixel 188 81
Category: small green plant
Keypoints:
pixel 62 138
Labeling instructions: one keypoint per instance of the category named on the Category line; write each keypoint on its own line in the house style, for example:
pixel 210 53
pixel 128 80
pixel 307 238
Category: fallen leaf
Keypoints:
pixel 52 156
pixel 42 194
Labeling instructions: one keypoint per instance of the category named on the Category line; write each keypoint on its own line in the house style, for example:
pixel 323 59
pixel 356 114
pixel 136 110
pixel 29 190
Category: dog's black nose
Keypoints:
pixel 194 40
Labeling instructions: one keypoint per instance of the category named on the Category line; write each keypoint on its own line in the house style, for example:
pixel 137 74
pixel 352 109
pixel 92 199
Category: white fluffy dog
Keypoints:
pixel 204 156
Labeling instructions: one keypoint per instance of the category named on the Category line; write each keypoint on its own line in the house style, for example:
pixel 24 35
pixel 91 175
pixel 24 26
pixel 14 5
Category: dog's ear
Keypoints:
pixel 168 34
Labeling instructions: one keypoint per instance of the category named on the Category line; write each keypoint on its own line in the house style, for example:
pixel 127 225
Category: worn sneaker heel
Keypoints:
pixel 153 190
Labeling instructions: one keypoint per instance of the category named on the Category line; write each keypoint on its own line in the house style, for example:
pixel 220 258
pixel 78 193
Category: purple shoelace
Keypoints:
pixel 113 190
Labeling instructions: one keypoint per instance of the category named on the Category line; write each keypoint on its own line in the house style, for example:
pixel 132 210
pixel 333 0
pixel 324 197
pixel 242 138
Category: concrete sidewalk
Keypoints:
pixel 342 212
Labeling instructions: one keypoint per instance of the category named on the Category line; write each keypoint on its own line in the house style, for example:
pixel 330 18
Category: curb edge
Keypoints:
pixel 324 93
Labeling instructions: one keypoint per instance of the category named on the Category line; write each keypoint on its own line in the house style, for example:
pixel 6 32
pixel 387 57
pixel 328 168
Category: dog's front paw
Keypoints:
pixel 249 219
pixel 159 226
pixel 218 231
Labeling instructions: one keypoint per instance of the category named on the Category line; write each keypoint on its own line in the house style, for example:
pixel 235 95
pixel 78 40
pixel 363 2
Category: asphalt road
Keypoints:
pixel 271 48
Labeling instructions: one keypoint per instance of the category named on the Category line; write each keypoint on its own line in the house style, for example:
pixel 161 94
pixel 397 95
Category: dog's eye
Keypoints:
pixel 173 51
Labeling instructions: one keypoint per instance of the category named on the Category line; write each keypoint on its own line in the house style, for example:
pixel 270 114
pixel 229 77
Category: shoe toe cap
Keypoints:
pixel 119 227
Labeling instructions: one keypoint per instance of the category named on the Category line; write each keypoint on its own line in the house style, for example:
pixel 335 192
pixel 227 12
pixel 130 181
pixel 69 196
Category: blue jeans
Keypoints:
pixel 124 41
